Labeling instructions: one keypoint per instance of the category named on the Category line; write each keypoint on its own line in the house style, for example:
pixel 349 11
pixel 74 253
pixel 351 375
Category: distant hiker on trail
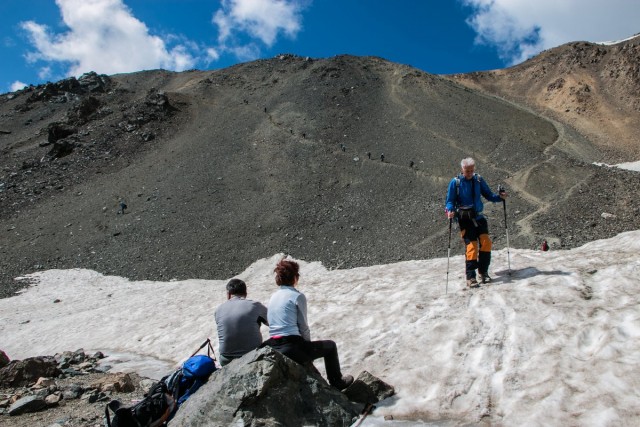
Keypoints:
pixel 288 329
pixel 465 205
pixel 382 157
pixel 545 246
pixel 238 322
pixel 122 207
pixel 369 154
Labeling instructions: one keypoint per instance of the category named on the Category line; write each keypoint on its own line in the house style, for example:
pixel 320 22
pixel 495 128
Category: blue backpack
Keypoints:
pixel 194 372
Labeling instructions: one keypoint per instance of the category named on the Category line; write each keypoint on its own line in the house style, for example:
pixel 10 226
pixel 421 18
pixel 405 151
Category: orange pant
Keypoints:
pixel 475 233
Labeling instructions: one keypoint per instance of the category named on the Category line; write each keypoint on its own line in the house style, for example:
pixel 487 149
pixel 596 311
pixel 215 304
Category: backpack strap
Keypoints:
pixel 172 382
pixel 107 415
pixel 114 405
pixel 476 177
pixel 473 189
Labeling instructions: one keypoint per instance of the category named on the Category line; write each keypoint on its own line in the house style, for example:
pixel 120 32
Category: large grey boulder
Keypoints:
pixel 369 389
pixel 265 388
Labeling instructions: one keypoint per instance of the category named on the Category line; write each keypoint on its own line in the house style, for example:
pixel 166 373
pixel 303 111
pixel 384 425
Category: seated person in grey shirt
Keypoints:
pixel 238 322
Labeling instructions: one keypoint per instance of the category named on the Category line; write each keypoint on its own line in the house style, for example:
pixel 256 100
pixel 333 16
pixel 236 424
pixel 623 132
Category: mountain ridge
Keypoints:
pixel 592 87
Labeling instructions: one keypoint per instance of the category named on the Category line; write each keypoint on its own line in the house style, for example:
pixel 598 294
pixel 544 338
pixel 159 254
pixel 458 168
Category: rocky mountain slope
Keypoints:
pixel 220 168
pixel 594 88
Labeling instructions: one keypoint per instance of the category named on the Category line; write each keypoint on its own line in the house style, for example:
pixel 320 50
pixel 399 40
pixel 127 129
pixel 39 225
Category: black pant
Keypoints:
pixel 296 348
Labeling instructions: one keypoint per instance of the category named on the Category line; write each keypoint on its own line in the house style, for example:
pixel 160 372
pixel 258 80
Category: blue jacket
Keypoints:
pixel 466 194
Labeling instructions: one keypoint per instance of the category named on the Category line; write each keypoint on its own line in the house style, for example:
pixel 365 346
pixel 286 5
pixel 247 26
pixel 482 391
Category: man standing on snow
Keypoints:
pixel 465 205
pixel 238 322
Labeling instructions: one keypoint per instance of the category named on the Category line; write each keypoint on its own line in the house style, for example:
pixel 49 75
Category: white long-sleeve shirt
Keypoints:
pixel 287 313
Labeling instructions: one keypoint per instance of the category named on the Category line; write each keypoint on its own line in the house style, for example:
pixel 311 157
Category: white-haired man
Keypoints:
pixel 464 203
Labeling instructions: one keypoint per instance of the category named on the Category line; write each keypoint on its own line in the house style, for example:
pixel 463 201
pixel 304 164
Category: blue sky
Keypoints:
pixel 46 40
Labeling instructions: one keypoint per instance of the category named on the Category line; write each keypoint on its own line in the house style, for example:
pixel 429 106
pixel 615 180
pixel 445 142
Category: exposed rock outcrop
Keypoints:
pixel 24 372
pixel 73 380
pixel 368 389
pixel 268 389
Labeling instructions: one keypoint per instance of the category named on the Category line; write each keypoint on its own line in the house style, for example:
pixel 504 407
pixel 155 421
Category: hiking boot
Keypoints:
pixel 344 382
pixel 472 283
pixel 484 278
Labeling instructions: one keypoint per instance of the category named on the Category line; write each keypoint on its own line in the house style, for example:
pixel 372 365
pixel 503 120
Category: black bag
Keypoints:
pixel 466 212
pixel 152 411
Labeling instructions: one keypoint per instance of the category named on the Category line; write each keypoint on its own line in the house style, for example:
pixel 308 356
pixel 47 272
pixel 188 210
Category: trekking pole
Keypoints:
pixel 366 411
pixel 506 227
pixel 210 352
pixel 208 341
pixel 446 289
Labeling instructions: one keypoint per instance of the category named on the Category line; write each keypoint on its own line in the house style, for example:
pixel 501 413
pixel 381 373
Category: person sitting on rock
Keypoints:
pixel 238 323
pixel 289 331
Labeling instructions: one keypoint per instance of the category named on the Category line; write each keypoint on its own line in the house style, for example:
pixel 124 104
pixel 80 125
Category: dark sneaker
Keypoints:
pixel 345 382
pixel 484 278
pixel 472 283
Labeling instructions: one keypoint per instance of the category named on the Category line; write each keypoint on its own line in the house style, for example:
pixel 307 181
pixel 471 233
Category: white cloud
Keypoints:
pixel 105 37
pixel 44 73
pixel 520 29
pixel 260 19
pixel 212 54
pixel 247 52
pixel 17 85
